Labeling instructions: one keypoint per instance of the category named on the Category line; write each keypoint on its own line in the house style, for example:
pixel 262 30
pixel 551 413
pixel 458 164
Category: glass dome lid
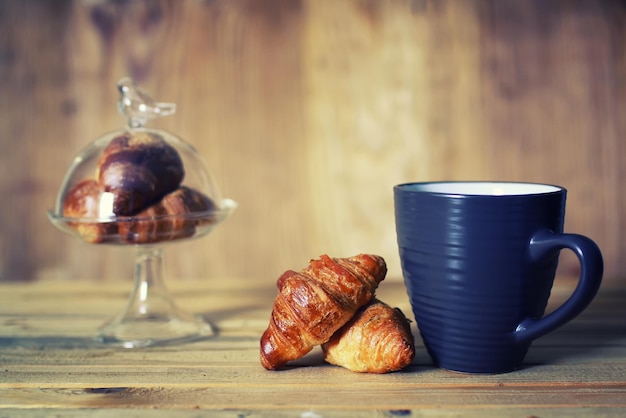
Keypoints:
pixel 138 185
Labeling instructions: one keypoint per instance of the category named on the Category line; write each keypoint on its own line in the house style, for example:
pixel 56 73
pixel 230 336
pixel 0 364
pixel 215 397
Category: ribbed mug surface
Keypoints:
pixel 467 271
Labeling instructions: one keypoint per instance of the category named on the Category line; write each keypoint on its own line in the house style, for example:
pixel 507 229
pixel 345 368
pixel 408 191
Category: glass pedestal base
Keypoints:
pixel 151 317
pixel 155 330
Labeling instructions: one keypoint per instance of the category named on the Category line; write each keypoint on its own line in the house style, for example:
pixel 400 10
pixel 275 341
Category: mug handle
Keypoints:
pixel 544 243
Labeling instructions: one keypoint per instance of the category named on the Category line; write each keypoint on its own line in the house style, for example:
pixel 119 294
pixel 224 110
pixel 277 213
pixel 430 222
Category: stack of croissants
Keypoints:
pixel 136 194
pixel 332 303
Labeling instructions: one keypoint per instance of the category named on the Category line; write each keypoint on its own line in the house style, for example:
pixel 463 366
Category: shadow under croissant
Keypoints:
pixel 315 358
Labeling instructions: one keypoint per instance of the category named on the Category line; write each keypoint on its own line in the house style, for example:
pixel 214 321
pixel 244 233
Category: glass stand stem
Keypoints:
pixel 151 316
pixel 149 294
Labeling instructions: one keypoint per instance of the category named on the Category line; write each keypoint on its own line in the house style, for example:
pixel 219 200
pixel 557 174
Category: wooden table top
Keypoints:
pixel 50 365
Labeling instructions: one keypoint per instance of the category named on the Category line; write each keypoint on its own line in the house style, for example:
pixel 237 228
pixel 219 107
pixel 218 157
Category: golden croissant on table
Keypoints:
pixel 377 340
pixel 314 304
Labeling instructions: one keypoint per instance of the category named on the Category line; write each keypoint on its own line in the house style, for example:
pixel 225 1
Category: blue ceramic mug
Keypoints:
pixel 479 260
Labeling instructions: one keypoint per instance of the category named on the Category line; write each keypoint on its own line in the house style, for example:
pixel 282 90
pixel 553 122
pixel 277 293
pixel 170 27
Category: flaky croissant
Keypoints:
pixel 169 219
pixel 377 340
pixel 83 202
pixel 314 303
pixel 138 169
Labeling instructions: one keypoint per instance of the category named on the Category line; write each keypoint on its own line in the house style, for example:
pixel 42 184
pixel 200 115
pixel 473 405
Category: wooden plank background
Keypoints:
pixel 308 112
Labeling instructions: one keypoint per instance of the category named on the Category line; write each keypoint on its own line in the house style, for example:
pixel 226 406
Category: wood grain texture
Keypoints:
pixel 49 365
pixel 308 112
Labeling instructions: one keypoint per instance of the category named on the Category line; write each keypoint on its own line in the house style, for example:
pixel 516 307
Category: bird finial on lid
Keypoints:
pixel 137 106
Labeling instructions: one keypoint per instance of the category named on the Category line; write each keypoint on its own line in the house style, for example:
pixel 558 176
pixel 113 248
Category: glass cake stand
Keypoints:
pixel 151 316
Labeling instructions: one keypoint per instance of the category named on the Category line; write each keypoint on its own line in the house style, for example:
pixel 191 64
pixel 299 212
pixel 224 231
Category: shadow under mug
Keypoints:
pixel 479 261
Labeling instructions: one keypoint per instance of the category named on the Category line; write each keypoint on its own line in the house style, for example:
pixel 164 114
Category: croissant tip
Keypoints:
pixel 375 263
pixel 270 357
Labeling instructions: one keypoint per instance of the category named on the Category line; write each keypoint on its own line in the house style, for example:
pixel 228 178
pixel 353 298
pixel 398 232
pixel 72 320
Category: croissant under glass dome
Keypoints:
pixel 99 222
pixel 142 187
